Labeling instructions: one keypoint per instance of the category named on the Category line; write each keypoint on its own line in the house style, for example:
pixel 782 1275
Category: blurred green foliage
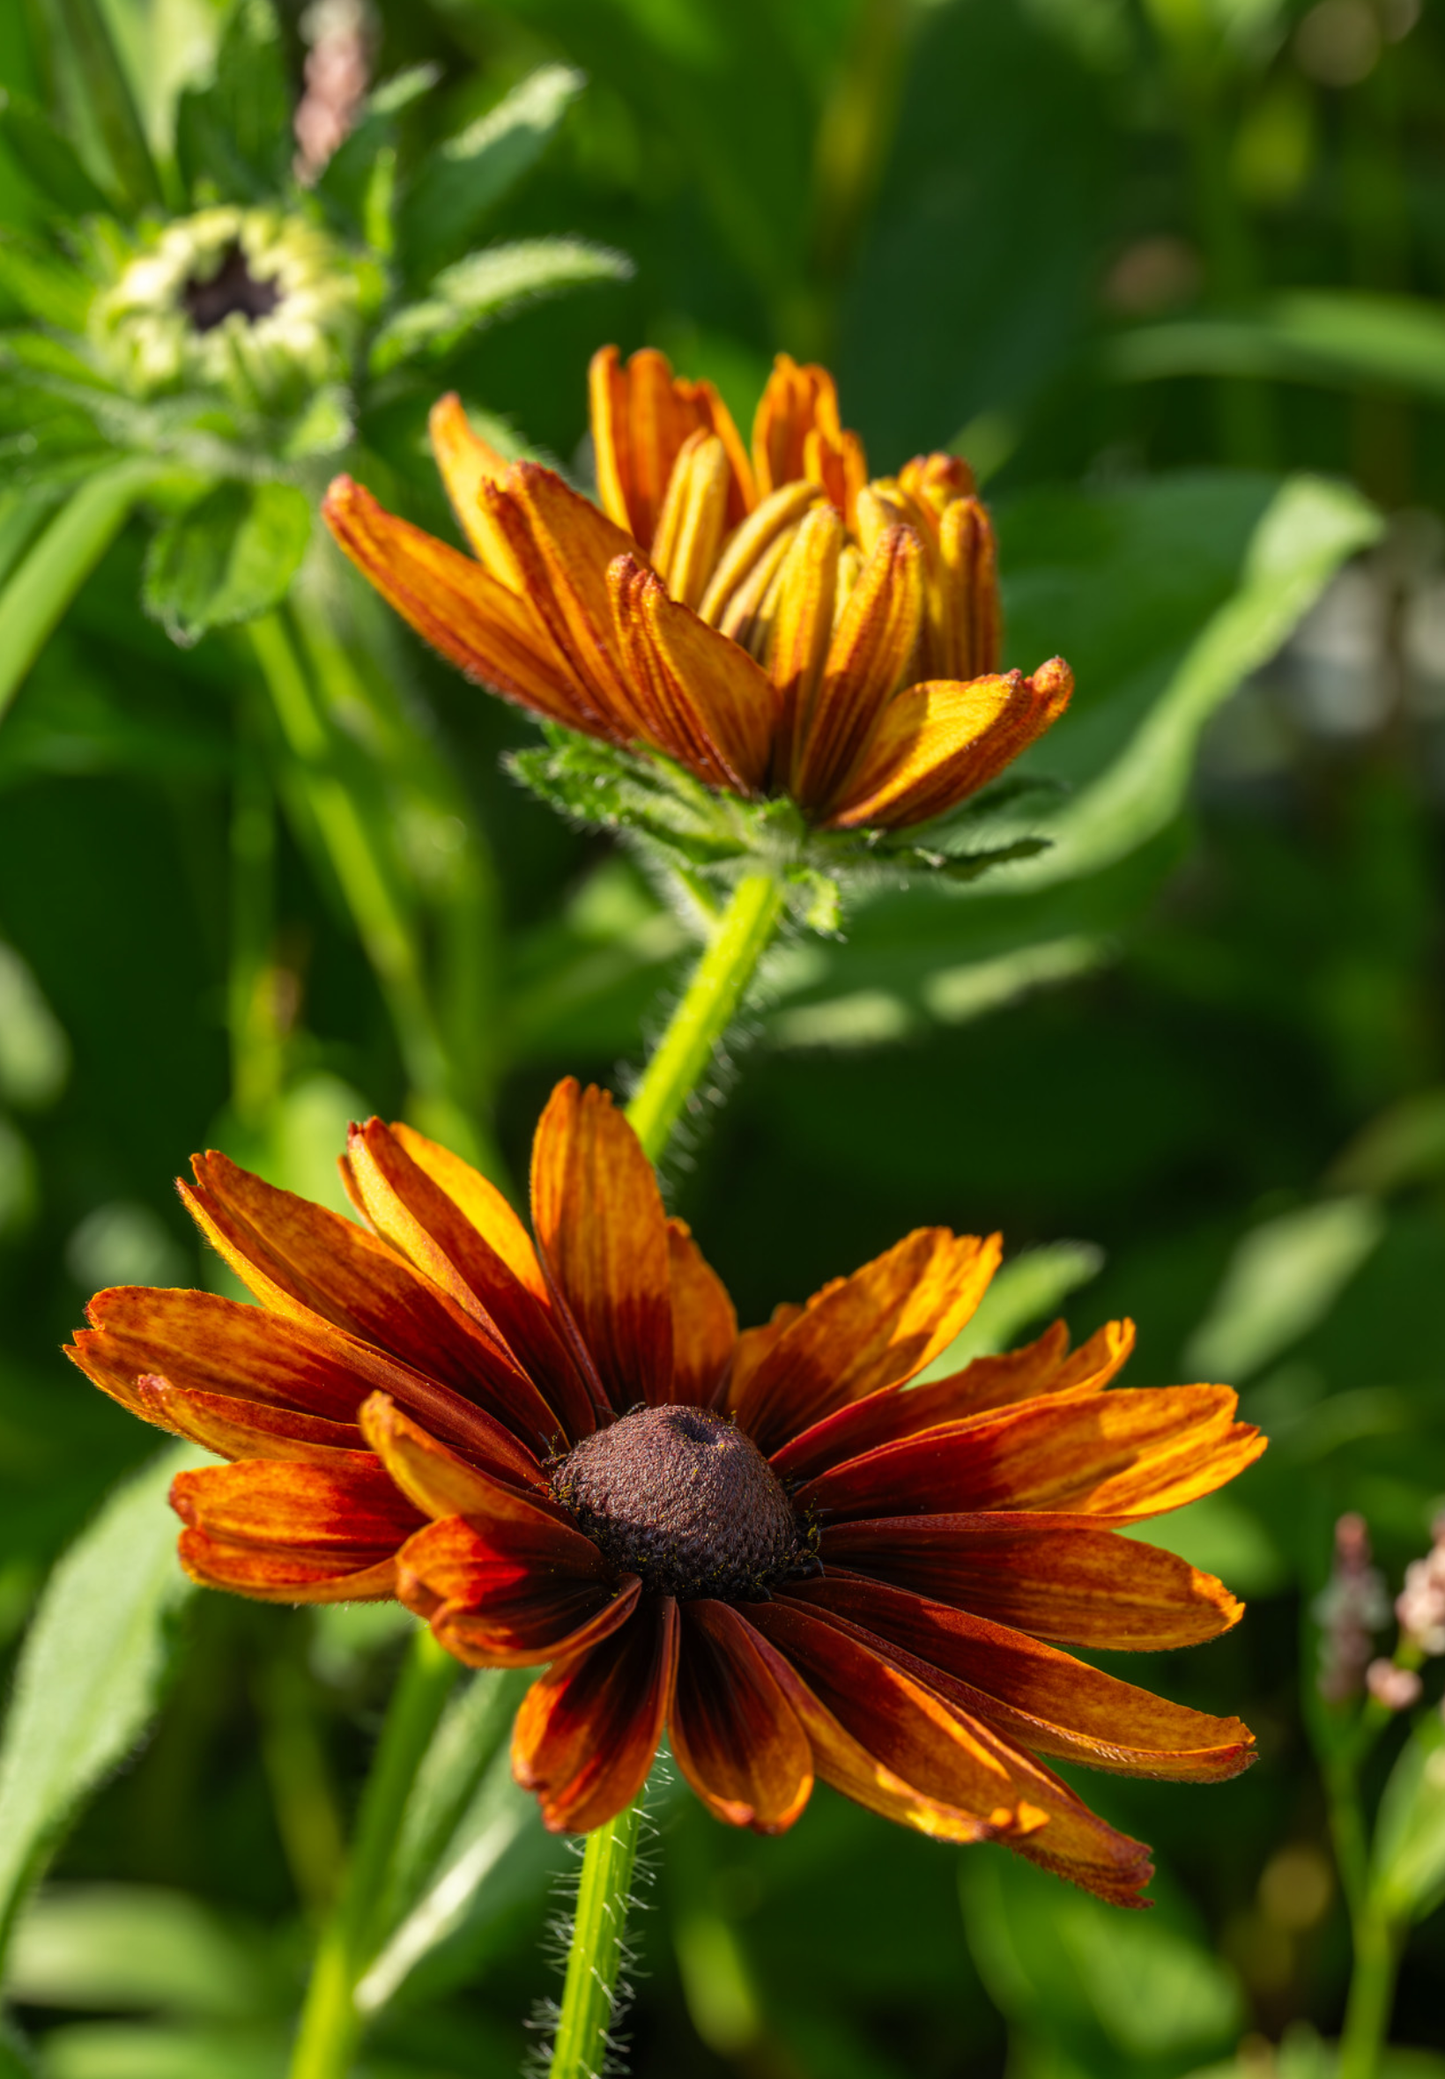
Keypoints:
pixel 1169 272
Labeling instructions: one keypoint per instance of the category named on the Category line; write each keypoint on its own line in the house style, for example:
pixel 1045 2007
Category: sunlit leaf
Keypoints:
pixel 487 286
pixel 1345 338
pixel 90 1670
pixel 118 1948
pixel 1408 1877
pixel 469 173
pixel 1282 1280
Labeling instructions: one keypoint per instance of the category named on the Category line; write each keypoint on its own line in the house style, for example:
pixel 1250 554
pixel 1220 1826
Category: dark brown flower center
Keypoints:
pixel 231 288
pixel 685 1499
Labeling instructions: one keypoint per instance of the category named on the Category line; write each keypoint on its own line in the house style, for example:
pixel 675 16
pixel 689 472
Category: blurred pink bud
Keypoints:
pixel 1396 1688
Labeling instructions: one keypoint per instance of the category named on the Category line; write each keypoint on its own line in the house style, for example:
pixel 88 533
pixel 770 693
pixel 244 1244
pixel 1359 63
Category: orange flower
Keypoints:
pixel 775 623
pixel 563 1454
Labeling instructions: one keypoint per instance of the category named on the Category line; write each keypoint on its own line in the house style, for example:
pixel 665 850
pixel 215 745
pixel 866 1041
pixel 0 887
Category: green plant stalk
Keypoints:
pixel 1372 1994
pixel 594 1959
pixel 364 875
pixel 257 1042
pixel 57 566
pixel 709 1003
pixel 330 2023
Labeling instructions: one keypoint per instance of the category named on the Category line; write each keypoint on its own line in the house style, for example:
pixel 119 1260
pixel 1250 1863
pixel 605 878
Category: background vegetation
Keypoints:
pixel 1141 261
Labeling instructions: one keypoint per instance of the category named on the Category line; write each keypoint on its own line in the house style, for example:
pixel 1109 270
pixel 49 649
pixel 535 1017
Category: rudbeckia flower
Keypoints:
pixel 773 622
pixel 560 1452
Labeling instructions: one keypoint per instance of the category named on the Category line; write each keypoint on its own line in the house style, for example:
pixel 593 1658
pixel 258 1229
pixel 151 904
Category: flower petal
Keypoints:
pixel 234 1428
pixel 466 462
pixel 293 1533
pixel 1134 1452
pixel 586 1732
pixel 455 605
pixel 802 624
pixel 704 1324
pixel 205 1345
pixel 641 416
pixel 561 546
pixel 275 1575
pixel 941 740
pixel 505 1594
pixel 735 1735
pixel 902 1411
pixel 1059 1577
pixel 693 519
pixel 701 698
pixel 299 1259
pixel 1031 1692
pixel 434 1479
pixel 945 1753
pixel 866 662
pixel 598 1217
pixel 797 432
pixel 882 1325
pixel 423 1222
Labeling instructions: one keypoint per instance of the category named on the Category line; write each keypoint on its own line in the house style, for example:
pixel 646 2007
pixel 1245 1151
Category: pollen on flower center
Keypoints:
pixel 231 290
pixel 685 1499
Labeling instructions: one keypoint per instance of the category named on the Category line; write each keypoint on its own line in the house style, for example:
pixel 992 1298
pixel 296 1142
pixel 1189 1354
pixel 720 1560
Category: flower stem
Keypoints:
pixel 1372 1995
pixel 330 2022
pixel 709 1004
pixel 595 1956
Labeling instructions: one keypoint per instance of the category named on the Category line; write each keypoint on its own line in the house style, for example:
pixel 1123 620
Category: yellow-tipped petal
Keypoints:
pixel 866 663
pixel 707 697
pixel 750 543
pixel 641 416
pixel 693 518
pixel 802 626
pixel 467 462
pixel 941 741
pixel 965 612
pixel 454 604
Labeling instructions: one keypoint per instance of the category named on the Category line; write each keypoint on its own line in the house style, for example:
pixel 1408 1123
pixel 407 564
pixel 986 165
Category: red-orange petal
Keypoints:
pixel 1133 1452
pixel 703 698
pixel 641 415
pixel 1058 1577
pixel 950 1755
pixel 943 739
pixel 883 1417
pixel 736 1737
pixel 235 1428
pixel 288 1532
pixel 587 1732
pixel 600 1224
pixel 202 1344
pixel 455 605
pixel 704 1323
pixel 300 1259
pixel 867 659
pixel 436 1480
pixel 421 1220
pixel 873 1330
pixel 508 1592
pixel 1032 1693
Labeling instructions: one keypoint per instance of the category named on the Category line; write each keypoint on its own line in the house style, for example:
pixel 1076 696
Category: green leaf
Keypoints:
pixel 464 1815
pixel 237 130
pixel 488 286
pixel 468 174
pixel 91 95
pixel 1408 1875
pixel 1308 530
pixel 226 559
pixel 45 287
pixel 44 584
pixel 90 1670
pixel 1340 338
pixel 1281 1282
pixel 117 1948
pixel 47 158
